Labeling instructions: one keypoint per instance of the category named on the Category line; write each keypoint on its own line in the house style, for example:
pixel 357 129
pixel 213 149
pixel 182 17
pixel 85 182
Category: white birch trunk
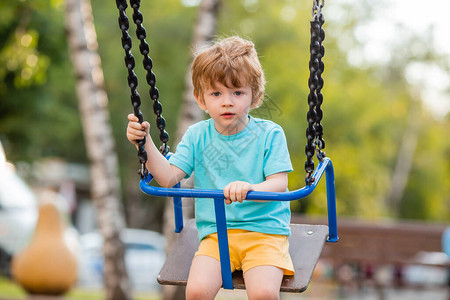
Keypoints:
pixel 190 113
pixel 404 159
pixel 93 103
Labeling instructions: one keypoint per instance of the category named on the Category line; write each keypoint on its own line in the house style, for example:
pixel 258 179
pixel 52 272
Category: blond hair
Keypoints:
pixel 232 62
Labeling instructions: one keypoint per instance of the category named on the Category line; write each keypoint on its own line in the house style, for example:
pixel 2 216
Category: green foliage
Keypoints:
pixel 38 111
pixel 21 59
pixel 365 108
pixel 428 191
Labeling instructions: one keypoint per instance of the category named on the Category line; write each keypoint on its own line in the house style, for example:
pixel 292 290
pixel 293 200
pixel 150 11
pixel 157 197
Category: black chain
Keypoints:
pixel 314 131
pixel 133 80
pixel 151 78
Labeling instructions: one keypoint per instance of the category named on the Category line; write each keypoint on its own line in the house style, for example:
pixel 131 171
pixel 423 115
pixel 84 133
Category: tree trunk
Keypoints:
pixel 405 158
pixel 190 113
pixel 93 103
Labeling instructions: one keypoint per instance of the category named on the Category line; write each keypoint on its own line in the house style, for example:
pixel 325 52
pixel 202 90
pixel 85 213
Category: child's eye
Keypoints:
pixel 216 94
pixel 238 93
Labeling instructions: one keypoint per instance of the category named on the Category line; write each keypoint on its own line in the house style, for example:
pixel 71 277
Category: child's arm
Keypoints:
pixel 165 174
pixel 237 190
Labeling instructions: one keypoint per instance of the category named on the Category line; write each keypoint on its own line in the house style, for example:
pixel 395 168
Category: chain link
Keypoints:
pixel 150 77
pixel 133 80
pixel 314 131
pixel 317 7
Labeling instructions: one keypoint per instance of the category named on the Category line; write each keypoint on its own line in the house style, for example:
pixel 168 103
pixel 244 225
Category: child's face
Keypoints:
pixel 228 107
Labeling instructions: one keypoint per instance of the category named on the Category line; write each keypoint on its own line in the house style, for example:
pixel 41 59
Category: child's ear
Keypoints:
pixel 257 103
pixel 200 102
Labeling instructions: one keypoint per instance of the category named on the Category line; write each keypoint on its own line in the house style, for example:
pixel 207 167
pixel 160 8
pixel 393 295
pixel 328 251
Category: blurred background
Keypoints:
pixel 386 123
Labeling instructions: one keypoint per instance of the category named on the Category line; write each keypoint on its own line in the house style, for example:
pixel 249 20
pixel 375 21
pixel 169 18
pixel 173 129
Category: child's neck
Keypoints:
pixel 233 129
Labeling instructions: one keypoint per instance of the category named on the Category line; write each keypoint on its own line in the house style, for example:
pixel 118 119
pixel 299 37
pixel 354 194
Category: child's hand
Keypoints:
pixel 135 130
pixel 236 191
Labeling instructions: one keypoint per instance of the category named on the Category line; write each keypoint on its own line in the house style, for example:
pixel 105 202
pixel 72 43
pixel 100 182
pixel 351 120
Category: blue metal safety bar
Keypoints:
pixel 325 166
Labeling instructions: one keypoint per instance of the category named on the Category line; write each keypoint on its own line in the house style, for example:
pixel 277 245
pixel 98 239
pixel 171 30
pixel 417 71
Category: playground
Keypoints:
pixel 248 149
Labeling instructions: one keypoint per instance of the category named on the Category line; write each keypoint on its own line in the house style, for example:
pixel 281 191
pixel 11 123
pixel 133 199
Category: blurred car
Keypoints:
pixel 19 212
pixel 144 257
pixel 431 272
pixel 18 209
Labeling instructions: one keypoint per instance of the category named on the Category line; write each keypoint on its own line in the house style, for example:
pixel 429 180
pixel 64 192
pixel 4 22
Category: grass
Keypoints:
pixel 10 290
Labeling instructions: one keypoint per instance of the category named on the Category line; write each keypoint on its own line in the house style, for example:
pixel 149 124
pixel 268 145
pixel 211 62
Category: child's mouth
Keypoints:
pixel 227 115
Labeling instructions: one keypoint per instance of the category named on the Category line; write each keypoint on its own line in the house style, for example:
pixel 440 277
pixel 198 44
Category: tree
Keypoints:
pixel 404 160
pixel 93 103
pixel 33 62
pixel 190 113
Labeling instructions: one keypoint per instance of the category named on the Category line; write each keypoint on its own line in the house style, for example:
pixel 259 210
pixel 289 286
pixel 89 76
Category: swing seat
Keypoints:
pixel 305 245
pixel 306 241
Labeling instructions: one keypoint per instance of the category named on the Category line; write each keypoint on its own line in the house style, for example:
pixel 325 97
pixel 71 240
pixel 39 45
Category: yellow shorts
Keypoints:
pixel 250 249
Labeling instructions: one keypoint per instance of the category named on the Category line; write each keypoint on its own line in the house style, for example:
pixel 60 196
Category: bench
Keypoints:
pixel 371 245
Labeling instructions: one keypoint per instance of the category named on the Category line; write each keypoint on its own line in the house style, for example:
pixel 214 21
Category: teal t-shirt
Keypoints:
pixel 251 155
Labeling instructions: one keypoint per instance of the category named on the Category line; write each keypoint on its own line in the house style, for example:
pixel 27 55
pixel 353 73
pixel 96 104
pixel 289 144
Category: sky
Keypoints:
pixel 416 16
pixel 419 15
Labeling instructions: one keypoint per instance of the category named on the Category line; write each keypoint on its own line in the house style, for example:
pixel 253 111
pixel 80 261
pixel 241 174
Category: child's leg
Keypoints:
pixel 204 279
pixel 263 282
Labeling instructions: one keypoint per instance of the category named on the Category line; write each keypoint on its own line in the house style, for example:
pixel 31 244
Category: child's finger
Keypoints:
pixel 243 194
pixel 132 118
pixel 139 133
pixel 135 125
pixel 247 188
pixel 232 193
pixel 146 126
pixel 226 192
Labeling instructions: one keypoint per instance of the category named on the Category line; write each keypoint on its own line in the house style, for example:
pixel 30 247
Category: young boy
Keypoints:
pixel 237 153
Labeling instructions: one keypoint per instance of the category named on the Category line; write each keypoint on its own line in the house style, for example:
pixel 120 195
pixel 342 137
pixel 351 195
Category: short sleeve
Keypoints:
pixel 276 153
pixel 183 157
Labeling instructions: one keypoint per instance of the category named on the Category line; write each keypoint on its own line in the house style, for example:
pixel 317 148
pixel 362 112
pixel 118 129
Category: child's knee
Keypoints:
pixel 263 293
pixel 199 292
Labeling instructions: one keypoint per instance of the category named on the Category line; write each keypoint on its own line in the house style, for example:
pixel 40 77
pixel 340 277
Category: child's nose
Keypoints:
pixel 227 100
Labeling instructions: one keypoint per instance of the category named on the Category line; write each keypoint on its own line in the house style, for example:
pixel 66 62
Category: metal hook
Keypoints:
pixel 317 8
pixel 321 154
pixel 309 179
pixel 164 149
pixel 143 172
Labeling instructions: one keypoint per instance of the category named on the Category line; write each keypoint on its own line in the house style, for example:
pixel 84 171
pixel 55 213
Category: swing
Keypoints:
pixel 306 241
